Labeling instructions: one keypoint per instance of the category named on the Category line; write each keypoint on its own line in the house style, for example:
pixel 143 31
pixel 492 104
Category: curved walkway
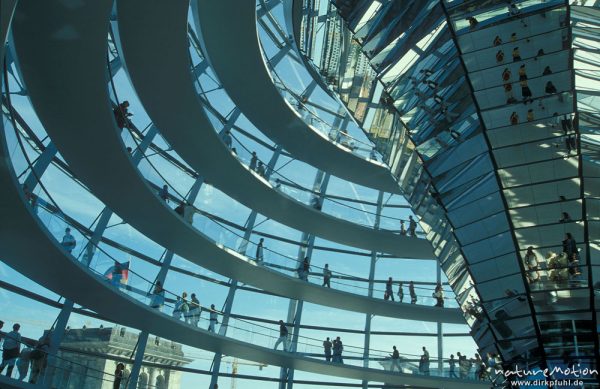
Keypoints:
pixel 7 8
pixel 47 263
pixel 234 51
pixel 71 99
pixel 156 55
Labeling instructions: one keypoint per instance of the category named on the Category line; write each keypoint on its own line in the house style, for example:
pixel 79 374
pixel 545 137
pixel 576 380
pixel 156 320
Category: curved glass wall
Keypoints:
pixel 254 313
pixel 513 66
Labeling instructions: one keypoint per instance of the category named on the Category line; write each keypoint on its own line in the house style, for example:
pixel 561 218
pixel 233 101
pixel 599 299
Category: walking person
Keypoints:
pixel 338 348
pixel 516 54
pixel 122 115
pixel 570 249
pixel 164 193
pixel 402 228
pixel 480 367
pixel 439 295
pixel 389 293
pixel 253 161
pixel 567 124
pixel 158 296
pixel 68 241
pixel 283 336
pixel 395 360
pixel 413 295
pixel 185 308
pixel 462 365
pixel 327 349
pixel 500 56
pixel 177 308
pixel 304 269
pixel 326 276
pixel 526 92
pixel 571 143
pixel 11 350
pixel 195 310
pixel 491 365
pixel 506 74
pixel 212 318
pixel 213 321
pixel 424 362
pixel 260 169
pixel 452 364
pixel 260 250
pixel 412 226
pixel 508 93
pixel 118 376
pixel 569 245
pixel 522 73
pixel 400 292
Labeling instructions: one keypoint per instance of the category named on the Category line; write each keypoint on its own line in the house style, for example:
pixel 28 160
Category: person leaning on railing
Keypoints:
pixel 158 296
